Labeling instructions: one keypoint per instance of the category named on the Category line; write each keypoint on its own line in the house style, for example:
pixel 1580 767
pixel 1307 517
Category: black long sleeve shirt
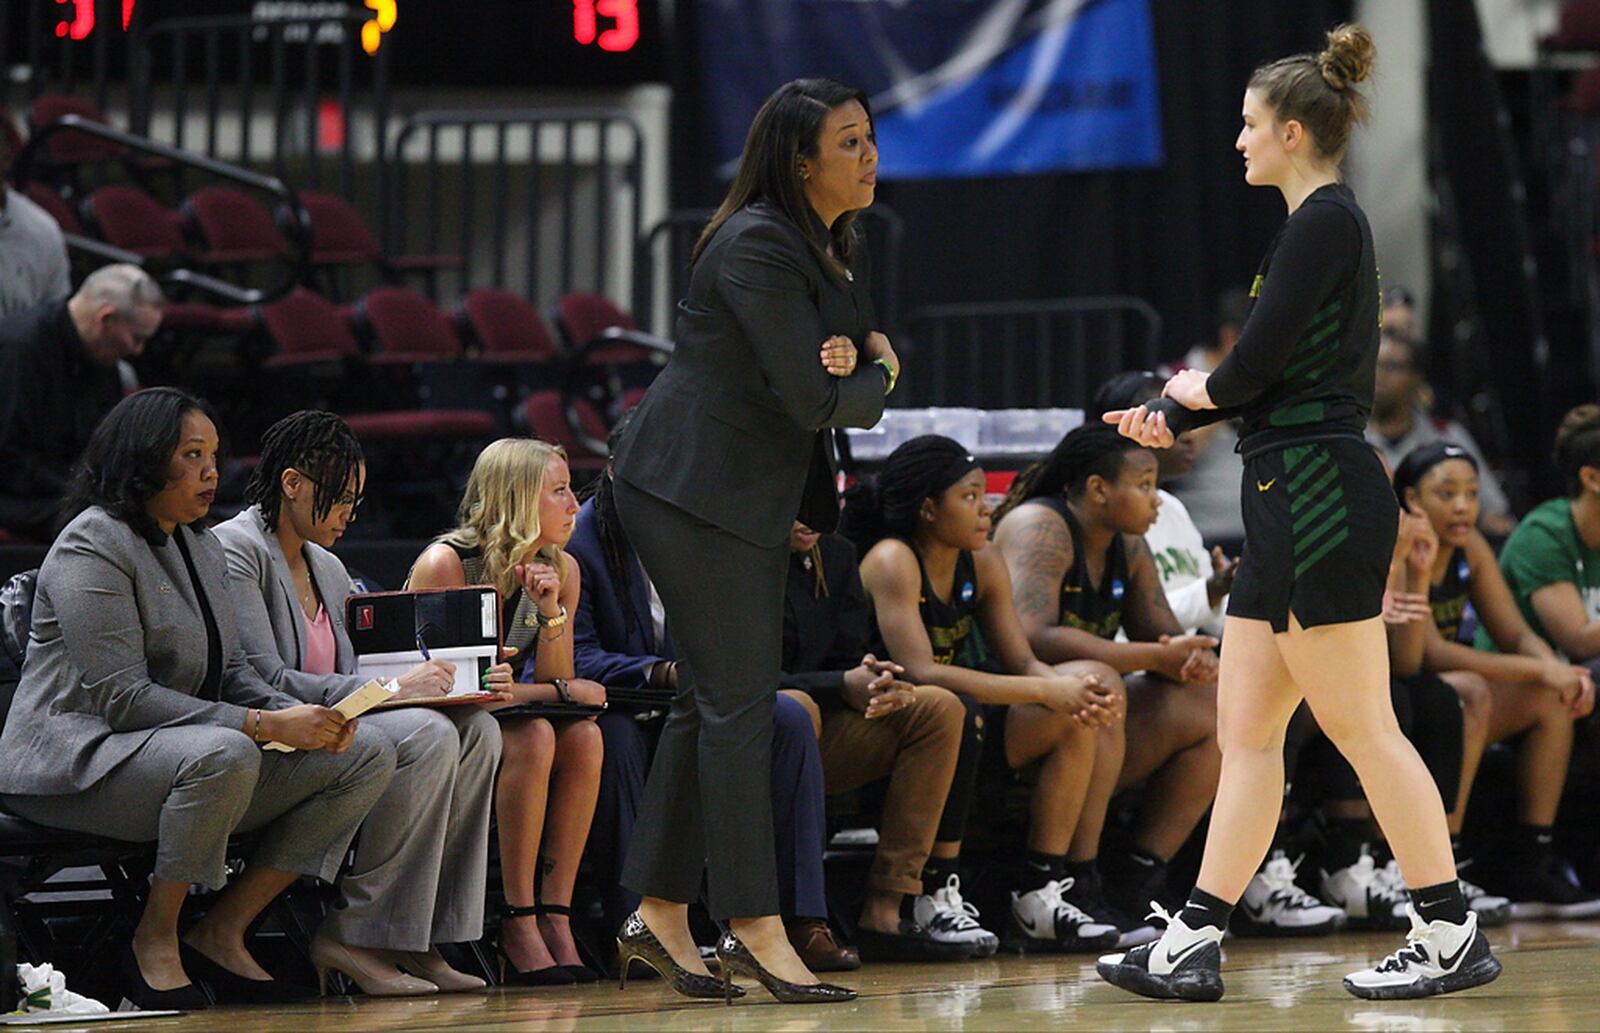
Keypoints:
pixel 1305 360
pixel 824 634
pixel 51 398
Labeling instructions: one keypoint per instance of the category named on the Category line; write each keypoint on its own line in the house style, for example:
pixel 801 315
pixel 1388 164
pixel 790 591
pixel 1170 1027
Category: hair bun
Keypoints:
pixel 1348 57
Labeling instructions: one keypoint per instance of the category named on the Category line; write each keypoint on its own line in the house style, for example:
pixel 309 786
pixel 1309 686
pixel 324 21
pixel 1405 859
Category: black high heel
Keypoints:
pixel 580 973
pixel 192 997
pixel 510 974
pixel 228 987
pixel 735 958
pixel 635 942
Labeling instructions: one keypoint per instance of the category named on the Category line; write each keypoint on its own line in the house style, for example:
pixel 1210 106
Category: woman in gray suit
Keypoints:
pixel 138 716
pixel 421 859
pixel 729 446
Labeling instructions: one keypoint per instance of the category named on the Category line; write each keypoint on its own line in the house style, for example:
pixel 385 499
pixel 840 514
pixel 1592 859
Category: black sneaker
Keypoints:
pixel 1090 895
pixel 911 943
pixel 1546 887
pixel 1184 964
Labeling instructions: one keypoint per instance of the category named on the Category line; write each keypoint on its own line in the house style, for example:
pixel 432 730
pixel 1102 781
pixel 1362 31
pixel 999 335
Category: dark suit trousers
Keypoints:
pixel 708 801
pixel 797 807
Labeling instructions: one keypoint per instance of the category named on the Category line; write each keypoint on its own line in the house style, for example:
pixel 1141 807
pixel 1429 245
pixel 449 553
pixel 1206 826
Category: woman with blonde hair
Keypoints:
pixel 516 515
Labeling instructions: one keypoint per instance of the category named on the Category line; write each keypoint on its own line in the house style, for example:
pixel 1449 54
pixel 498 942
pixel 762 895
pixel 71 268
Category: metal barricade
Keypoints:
pixel 540 201
pixel 296 95
pixel 1023 354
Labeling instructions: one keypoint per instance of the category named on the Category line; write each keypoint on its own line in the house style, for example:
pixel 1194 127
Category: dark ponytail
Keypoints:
pixel 1094 448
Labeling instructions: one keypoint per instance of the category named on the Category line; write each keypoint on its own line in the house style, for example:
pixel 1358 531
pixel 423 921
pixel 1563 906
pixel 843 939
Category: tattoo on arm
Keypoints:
pixel 1038 556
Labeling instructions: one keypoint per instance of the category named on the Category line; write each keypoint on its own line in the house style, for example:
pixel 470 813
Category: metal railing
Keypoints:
pixel 205 83
pixel 1023 354
pixel 661 264
pixel 541 201
pixel 30 161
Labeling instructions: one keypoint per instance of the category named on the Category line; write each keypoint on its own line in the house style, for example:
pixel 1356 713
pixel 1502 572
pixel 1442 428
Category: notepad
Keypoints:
pixel 354 705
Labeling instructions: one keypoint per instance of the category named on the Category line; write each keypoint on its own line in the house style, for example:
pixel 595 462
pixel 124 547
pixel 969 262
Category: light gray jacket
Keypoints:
pixel 117 650
pixel 271 623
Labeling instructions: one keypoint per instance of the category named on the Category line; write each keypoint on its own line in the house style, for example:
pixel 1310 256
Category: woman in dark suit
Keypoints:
pixel 729 445
pixel 139 716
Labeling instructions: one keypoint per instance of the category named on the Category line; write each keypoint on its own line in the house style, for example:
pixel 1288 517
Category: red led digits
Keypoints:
pixel 623 33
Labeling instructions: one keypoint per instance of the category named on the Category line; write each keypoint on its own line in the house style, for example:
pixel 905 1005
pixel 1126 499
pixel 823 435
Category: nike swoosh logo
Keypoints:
pixel 1265 485
pixel 1449 961
pixel 1176 959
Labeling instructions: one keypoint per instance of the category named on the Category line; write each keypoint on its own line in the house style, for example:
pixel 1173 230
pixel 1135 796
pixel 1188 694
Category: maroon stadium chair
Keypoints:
pixel 543 416
pixel 67 147
pixel 306 329
pixel 128 218
pixel 341 237
pixel 406 327
pixel 236 227
pixel 507 328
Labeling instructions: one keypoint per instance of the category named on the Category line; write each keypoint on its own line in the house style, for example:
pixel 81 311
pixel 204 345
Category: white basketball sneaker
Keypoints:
pixel 1275 905
pixel 1439 958
pixel 950 919
pixel 1184 964
pixel 1045 919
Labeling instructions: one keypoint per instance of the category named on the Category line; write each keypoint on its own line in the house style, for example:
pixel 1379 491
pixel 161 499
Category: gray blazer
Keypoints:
pixel 117 650
pixel 271 623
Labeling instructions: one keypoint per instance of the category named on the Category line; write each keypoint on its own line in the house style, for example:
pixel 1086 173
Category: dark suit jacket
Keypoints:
pixel 824 636
pixel 735 429
pixel 606 646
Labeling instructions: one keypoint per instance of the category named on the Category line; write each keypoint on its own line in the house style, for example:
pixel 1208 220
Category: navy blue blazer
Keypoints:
pixel 606 646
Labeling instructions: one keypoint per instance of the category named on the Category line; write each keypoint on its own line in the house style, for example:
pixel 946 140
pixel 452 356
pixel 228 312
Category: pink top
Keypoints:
pixel 321 651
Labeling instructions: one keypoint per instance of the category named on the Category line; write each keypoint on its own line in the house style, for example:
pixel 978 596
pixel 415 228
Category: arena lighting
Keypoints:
pixel 385 14
pixel 621 37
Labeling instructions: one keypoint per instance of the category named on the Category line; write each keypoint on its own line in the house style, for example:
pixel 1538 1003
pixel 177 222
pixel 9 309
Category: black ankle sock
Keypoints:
pixel 937 871
pixel 1037 869
pixel 1534 840
pixel 1443 901
pixel 1345 839
pixel 1083 874
pixel 1204 909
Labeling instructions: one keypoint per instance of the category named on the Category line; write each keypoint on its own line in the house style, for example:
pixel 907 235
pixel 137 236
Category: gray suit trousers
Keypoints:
pixel 422 856
pixel 190 787
pixel 708 800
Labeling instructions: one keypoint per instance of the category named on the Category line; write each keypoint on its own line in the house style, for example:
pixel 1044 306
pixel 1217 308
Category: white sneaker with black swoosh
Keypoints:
pixel 1184 964
pixel 1439 958
pixel 1274 905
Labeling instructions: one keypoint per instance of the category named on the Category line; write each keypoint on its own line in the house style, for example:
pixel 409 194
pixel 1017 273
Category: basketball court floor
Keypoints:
pixel 1551 982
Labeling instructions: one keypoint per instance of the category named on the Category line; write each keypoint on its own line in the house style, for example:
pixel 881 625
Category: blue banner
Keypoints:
pixel 959 87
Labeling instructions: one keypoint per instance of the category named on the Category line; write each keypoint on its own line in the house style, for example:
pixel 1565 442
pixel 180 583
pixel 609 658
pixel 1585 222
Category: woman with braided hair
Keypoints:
pixel 1320 525
pixel 1071 532
pixel 930 583
pixel 421 862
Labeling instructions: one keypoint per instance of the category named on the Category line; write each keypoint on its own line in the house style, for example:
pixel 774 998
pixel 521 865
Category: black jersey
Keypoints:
pixel 1305 360
pixel 1085 606
pixel 949 624
pixel 1450 597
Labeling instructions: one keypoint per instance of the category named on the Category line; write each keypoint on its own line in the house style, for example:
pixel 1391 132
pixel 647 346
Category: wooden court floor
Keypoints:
pixel 1551 982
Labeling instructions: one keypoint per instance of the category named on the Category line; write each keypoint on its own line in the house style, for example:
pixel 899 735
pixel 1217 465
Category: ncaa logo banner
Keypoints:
pixel 959 88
